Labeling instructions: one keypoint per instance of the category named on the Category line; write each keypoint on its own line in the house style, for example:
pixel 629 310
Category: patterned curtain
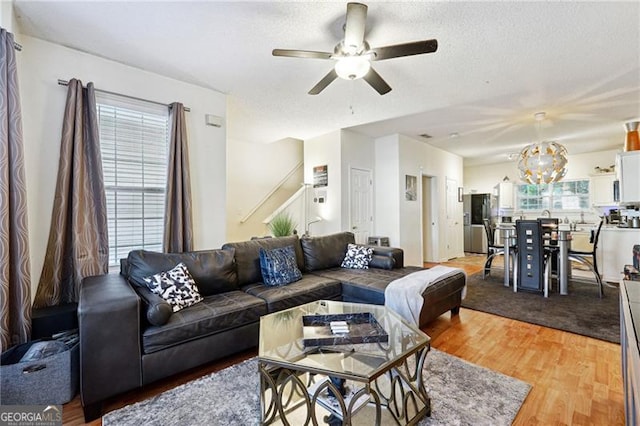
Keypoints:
pixel 78 238
pixel 15 273
pixel 178 224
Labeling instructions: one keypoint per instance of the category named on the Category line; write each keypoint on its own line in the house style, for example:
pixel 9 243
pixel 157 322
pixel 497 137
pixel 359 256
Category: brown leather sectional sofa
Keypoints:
pixel 129 337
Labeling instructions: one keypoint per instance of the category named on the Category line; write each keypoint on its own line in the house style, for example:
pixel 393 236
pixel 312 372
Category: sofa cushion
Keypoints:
pixel 308 289
pixel 176 286
pixel 357 257
pixel 325 251
pixel 215 314
pixel 213 270
pixel 279 266
pixel 365 285
pixel 247 255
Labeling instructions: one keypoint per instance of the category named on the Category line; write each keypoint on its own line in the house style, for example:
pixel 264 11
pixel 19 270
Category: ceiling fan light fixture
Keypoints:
pixel 353 67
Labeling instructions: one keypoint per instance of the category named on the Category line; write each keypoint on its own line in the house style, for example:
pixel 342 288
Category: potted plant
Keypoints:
pixel 282 225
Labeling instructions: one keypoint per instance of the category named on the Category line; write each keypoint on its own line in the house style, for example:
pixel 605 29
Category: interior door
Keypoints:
pixel 454 236
pixel 361 204
pixel 430 234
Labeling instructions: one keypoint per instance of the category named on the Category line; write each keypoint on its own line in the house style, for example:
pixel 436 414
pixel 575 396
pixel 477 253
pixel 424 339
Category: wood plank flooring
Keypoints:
pixel 575 380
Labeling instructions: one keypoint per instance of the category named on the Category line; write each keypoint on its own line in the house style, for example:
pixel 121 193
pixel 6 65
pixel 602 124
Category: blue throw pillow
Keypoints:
pixel 279 266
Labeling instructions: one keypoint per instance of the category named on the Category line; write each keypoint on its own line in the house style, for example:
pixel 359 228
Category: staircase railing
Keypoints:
pixel 270 193
pixel 300 192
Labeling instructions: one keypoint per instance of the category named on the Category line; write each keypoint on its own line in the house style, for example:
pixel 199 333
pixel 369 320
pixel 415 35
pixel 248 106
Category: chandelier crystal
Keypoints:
pixel 542 162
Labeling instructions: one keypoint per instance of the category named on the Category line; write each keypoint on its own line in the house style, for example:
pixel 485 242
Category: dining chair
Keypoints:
pixel 493 249
pixel 588 258
pixel 533 269
pixel 549 226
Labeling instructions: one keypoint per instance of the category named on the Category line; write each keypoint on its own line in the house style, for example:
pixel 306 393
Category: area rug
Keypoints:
pixel 581 311
pixel 461 394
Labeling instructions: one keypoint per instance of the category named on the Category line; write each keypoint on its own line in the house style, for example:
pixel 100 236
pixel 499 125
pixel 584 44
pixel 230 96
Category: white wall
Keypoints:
pixel 400 219
pixel 357 151
pixel 253 171
pixel 320 151
pixel 7 17
pixel 42 63
pixel 416 159
pixel 387 189
pixel 482 179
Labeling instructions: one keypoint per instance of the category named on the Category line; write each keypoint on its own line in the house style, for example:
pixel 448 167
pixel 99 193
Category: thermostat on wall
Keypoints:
pixel 213 120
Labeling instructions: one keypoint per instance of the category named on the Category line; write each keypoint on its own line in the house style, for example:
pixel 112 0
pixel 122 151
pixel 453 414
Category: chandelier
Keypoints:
pixel 544 161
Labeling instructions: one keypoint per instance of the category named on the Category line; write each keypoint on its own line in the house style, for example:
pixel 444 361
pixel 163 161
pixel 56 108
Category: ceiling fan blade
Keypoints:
pixel 355 26
pixel 377 82
pixel 404 49
pixel 322 84
pixel 294 53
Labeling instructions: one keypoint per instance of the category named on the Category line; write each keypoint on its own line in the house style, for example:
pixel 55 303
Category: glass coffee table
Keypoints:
pixel 369 374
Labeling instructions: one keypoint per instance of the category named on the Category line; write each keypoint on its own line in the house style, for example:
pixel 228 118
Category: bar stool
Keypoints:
pixel 588 258
pixel 494 249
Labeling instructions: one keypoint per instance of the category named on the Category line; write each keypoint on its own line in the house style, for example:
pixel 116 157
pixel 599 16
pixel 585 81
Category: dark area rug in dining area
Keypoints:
pixel 581 311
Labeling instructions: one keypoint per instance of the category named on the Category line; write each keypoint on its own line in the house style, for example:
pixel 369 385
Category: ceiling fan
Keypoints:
pixel 353 55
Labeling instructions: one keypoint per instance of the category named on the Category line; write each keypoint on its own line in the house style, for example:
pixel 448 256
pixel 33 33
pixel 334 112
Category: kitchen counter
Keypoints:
pixel 619 228
pixel 615 249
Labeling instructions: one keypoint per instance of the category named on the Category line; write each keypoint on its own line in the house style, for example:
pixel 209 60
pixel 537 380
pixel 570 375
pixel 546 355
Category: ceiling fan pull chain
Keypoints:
pixel 352 83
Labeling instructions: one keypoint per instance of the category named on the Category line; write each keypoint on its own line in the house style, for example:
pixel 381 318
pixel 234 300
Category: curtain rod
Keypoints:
pixel 66 83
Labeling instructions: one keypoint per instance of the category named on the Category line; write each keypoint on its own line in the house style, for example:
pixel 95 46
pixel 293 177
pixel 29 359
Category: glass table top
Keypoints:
pixel 282 341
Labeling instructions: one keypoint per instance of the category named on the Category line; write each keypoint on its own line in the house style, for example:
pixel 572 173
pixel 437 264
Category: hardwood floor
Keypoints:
pixel 575 380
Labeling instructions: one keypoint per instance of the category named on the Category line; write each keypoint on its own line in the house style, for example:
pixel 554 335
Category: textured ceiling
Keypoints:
pixel 497 64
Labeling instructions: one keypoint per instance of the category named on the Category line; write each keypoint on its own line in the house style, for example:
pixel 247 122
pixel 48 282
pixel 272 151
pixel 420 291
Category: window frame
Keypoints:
pixel 134 144
pixel 552 196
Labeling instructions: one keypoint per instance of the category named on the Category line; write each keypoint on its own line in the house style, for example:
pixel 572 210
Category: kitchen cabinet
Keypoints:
pixel 601 189
pixel 615 249
pixel 628 170
pixel 505 192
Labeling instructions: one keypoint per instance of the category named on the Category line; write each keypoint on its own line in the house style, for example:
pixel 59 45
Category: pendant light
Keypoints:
pixel 542 161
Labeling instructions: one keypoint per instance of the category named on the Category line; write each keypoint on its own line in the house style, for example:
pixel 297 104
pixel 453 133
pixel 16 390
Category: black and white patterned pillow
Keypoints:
pixel 279 266
pixel 357 257
pixel 175 286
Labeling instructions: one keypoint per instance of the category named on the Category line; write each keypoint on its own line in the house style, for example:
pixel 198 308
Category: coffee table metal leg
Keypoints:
pixel 405 396
pixel 407 391
pixel 282 385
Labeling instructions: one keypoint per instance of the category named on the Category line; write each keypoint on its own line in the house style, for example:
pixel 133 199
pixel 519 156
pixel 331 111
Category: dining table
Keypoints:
pixel 507 235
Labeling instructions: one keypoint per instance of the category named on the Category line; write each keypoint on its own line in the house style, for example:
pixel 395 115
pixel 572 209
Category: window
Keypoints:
pixel 134 141
pixel 565 195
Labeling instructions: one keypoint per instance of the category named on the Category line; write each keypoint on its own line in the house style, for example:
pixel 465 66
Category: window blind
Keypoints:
pixel 134 139
pixel 563 195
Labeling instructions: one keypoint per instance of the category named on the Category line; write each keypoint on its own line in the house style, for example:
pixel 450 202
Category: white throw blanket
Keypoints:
pixel 404 295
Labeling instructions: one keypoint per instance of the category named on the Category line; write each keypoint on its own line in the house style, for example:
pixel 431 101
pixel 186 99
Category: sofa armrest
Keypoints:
pixel 397 254
pixel 109 326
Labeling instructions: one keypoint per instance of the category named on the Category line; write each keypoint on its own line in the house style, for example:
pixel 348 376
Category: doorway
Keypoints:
pixel 429 219
pixel 361 204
